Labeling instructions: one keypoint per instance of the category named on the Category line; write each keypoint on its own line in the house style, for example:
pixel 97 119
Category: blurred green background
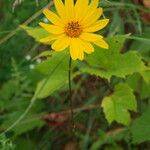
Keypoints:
pixel 45 129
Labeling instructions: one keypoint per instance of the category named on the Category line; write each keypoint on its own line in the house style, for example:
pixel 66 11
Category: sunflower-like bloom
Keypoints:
pixel 74 27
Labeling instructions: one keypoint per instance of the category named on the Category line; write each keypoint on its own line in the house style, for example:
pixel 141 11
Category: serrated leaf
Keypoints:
pixel 36 32
pixel 56 71
pixel 116 107
pixel 116 43
pixel 140 128
pixel 105 64
pixel 108 63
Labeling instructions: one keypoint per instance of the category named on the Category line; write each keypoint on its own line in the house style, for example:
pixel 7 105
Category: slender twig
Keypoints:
pixel 70 94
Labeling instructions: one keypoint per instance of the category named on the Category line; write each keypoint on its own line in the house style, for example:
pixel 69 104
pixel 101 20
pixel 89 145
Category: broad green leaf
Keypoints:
pixel 105 64
pixel 116 107
pixel 140 128
pixel 55 70
pixel 108 63
pixel 36 32
pixel 116 43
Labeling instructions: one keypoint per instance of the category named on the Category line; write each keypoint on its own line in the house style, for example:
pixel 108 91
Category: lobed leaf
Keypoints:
pixel 108 63
pixel 116 107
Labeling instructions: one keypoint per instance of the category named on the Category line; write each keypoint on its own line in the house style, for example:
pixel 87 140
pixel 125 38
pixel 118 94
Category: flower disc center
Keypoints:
pixel 73 29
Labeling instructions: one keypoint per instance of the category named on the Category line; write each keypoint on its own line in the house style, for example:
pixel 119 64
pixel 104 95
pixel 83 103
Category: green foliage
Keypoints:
pixel 124 68
pixel 117 105
pixel 146 76
pixel 36 32
pixel 44 54
pixel 18 92
pixel 114 147
pixel 6 144
pixel 140 128
pixel 112 137
pixel 108 63
pixel 139 85
pixel 55 70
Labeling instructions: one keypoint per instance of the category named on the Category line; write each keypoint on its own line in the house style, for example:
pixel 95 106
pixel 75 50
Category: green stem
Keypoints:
pixel 70 94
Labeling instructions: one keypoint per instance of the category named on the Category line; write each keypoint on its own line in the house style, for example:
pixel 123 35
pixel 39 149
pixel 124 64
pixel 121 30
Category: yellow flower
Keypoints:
pixel 73 27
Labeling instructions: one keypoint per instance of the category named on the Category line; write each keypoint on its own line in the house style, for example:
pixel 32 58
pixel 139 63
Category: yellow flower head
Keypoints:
pixel 74 25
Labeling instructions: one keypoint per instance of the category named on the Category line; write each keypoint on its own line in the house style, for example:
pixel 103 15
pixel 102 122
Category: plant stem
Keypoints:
pixel 70 95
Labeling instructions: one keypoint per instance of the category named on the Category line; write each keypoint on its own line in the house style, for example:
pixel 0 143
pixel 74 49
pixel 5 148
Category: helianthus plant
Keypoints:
pixel 74 27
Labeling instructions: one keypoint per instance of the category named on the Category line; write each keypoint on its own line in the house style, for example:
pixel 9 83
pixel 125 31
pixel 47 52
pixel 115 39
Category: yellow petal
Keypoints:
pixel 81 8
pixel 69 6
pixel 102 43
pixel 91 37
pixel 52 17
pixel 100 24
pixel 49 38
pixel 94 4
pixel 92 18
pixel 60 8
pixel 76 49
pixel 61 44
pixel 52 28
pixel 88 47
pixel 91 9
pixel 81 55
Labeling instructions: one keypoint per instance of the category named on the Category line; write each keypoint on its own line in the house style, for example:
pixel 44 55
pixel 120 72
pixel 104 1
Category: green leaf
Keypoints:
pixel 116 43
pixel 36 32
pixel 55 70
pixel 133 81
pixel 144 90
pixel 117 105
pixel 140 86
pixel 108 63
pixel 105 64
pixel 140 128
pixel 146 76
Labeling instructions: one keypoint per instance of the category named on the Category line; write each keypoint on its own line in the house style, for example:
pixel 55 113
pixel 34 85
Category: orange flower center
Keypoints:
pixel 73 29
